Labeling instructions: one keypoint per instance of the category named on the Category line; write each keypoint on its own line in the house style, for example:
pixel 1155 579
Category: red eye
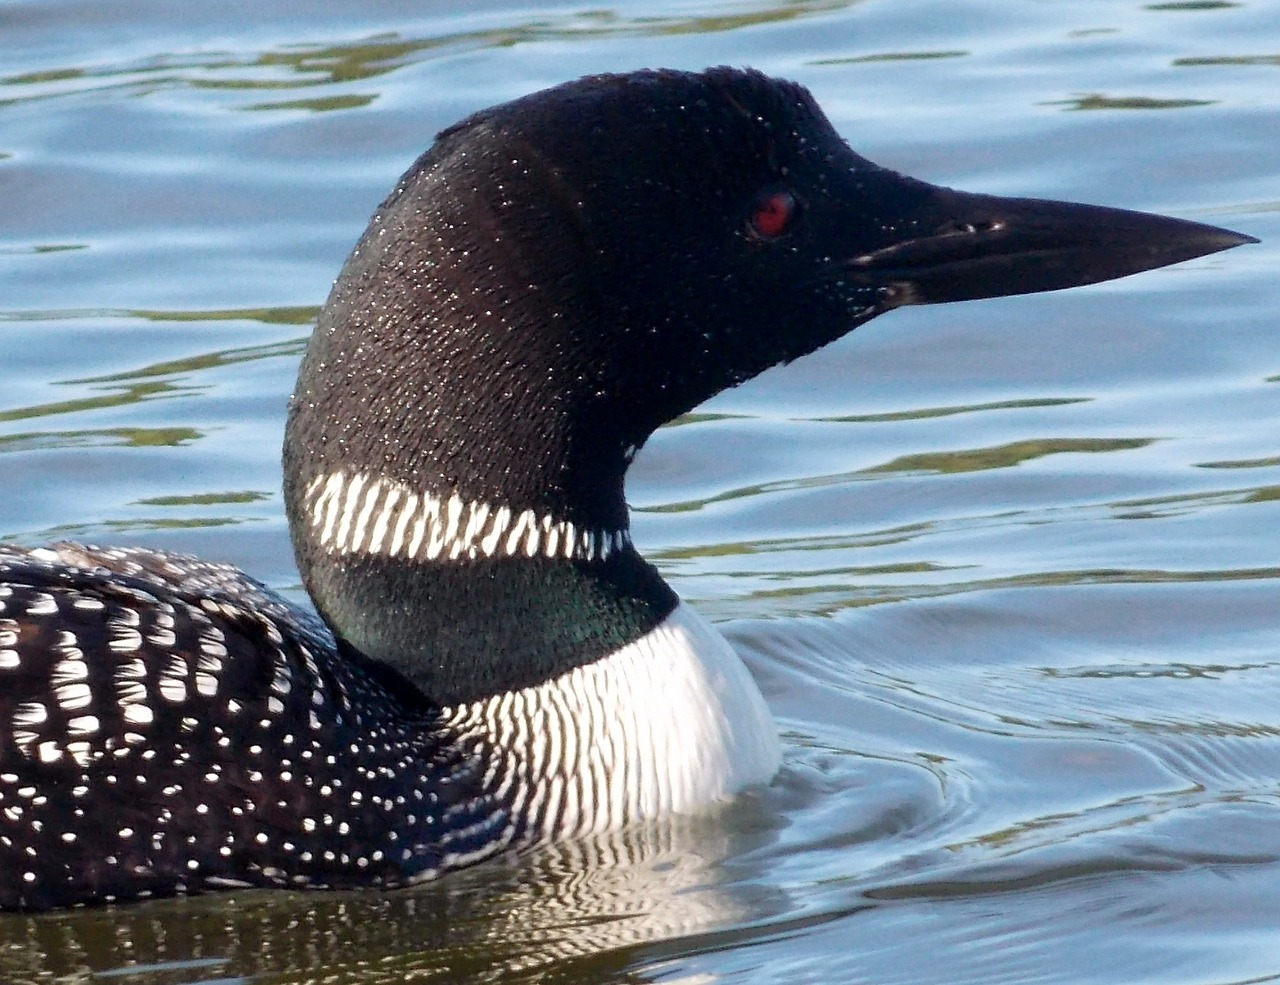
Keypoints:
pixel 773 214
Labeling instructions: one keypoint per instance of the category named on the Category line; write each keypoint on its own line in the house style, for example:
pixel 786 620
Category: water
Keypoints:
pixel 1007 570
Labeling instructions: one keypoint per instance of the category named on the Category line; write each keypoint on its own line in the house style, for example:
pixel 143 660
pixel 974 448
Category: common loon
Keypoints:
pixel 493 664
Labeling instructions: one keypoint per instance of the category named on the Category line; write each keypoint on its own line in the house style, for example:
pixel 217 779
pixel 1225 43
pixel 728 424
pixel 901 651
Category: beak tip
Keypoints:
pixel 1241 239
pixel 1203 240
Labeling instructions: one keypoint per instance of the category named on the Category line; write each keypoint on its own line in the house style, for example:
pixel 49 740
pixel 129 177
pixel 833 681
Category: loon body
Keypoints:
pixel 493 664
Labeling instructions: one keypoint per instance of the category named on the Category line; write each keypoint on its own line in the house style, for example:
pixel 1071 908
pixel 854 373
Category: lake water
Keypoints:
pixel 1008 571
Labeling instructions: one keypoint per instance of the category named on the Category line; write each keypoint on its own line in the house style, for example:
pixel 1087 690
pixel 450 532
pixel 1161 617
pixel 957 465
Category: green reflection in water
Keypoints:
pixel 1193 5
pixel 1004 456
pixel 1159 507
pixel 90 532
pixel 780 545
pixel 891 56
pixel 706 417
pixel 844 571
pixel 970 460
pixel 369 57
pixel 828 598
pixel 1241 463
pixel 290 348
pixel 896 536
pixel 1231 60
pixel 318 105
pixel 52 75
pixel 154 381
pixel 296 315
pixel 205 499
pixel 303 314
pixel 1099 101
pixel 117 397
pixel 40 248
pixel 927 412
pixel 745 492
pixel 99 438
pixel 828 590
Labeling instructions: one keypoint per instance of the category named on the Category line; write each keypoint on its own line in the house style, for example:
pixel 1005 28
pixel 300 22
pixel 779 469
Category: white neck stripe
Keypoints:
pixel 360 514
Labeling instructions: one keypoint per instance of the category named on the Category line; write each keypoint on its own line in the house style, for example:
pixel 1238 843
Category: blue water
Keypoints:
pixel 1008 571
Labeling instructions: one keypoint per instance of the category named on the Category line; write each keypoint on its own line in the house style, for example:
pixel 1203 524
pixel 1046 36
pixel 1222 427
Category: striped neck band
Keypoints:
pixel 362 514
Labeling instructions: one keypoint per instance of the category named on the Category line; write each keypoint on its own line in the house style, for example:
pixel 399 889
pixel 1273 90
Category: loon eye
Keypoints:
pixel 773 213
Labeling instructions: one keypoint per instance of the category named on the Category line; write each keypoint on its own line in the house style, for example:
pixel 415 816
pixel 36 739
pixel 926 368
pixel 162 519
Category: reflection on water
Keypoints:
pixel 1008 572
pixel 207 360
pixel 575 912
pixel 90 437
pixel 967 460
pixel 1230 60
pixel 308 65
pixel 301 315
pixel 1098 101
pixel 1250 463
pixel 1194 5
pixel 899 56
pixel 205 499
pixel 923 413
pixel 133 394
pixel 1005 456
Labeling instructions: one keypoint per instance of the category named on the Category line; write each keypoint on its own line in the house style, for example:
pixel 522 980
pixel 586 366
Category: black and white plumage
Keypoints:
pixel 493 664
pixel 182 728
pixel 172 725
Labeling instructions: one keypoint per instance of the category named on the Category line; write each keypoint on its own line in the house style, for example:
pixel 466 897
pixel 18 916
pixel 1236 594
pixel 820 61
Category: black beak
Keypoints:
pixel 960 246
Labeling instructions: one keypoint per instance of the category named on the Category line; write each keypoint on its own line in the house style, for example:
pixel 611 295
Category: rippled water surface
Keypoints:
pixel 1008 570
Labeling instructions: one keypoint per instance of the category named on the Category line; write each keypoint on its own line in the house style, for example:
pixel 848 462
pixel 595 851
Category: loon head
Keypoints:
pixel 560 275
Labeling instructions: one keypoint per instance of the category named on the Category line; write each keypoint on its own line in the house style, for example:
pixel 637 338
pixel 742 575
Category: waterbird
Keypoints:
pixel 490 663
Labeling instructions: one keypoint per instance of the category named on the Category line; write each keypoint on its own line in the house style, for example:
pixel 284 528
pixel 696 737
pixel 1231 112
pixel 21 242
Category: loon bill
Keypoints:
pixel 493 665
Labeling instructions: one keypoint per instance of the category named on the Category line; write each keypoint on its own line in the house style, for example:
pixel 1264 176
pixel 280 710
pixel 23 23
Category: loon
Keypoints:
pixel 490 664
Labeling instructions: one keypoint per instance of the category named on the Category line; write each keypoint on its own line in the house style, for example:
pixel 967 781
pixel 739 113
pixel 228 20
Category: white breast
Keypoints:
pixel 672 722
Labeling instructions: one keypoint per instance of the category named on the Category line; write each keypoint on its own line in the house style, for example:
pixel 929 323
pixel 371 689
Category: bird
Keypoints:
pixel 490 664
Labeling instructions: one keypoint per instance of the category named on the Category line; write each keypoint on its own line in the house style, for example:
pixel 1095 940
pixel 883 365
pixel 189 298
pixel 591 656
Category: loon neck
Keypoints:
pixel 466 600
pixel 466 629
pixel 474 589
pixel 466 411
